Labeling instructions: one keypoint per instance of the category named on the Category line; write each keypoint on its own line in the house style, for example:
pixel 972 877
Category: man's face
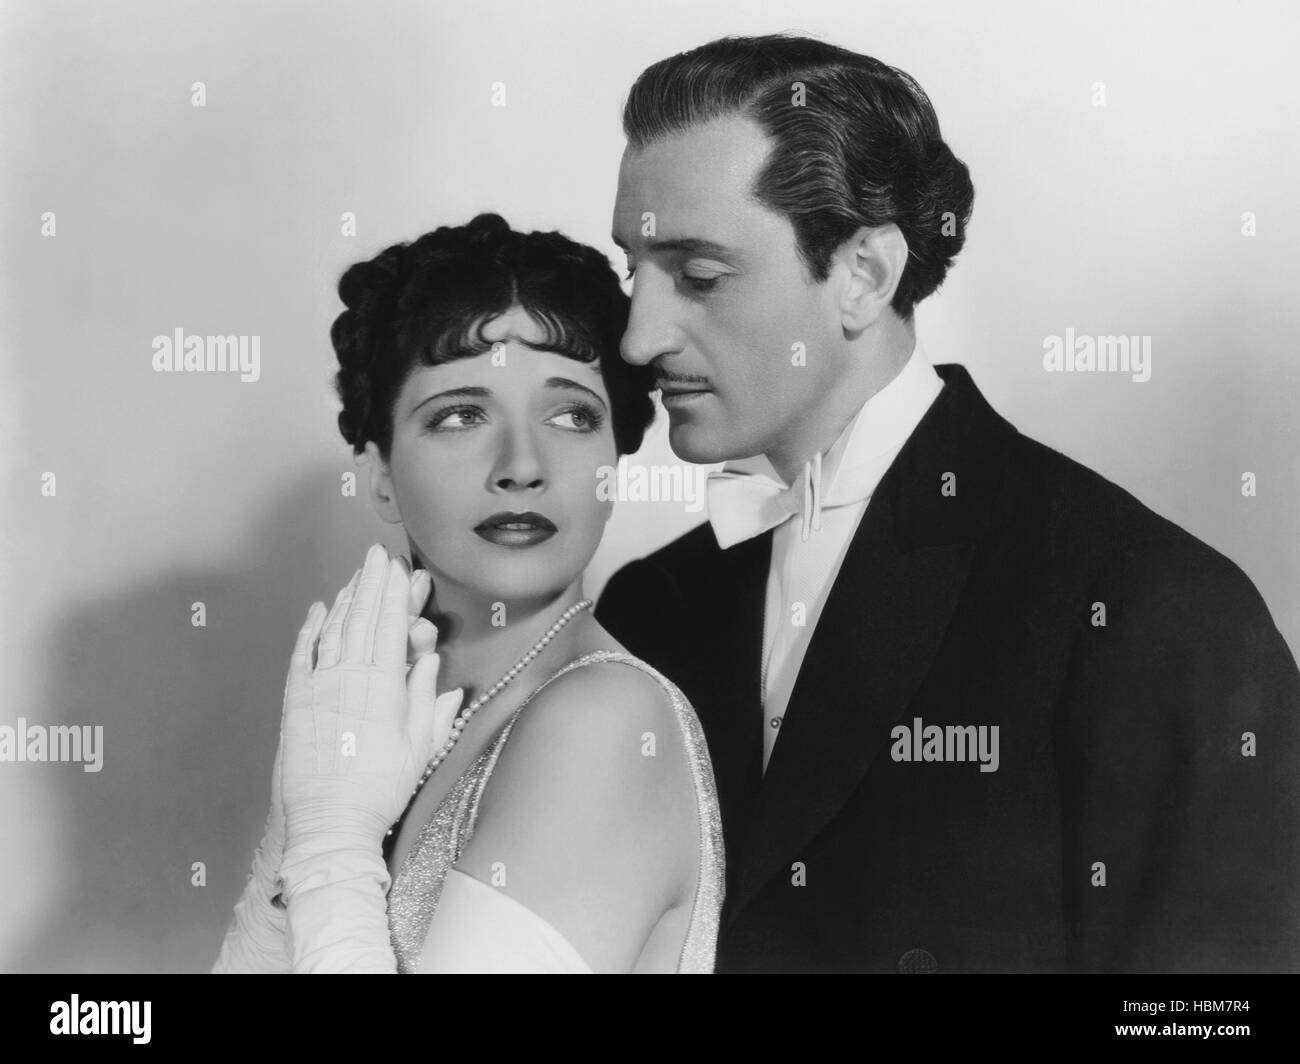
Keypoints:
pixel 720 300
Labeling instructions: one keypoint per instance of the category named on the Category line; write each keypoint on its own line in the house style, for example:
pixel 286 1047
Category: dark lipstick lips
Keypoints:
pixel 515 531
pixel 530 520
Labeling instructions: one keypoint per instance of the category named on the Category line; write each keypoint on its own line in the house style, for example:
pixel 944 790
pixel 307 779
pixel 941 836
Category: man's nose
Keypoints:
pixel 650 329
pixel 519 465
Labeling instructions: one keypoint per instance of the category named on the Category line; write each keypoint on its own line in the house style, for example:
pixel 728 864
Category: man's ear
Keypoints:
pixel 873 261
pixel 381 486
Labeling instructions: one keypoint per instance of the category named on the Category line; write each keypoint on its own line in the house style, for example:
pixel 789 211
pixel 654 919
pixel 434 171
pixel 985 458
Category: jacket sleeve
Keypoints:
pixel 1179 759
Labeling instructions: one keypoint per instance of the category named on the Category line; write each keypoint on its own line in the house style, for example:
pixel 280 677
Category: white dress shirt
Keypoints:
pixel 807 553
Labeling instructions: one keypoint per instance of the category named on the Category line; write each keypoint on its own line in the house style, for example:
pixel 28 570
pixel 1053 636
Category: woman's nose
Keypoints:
pixel 519 466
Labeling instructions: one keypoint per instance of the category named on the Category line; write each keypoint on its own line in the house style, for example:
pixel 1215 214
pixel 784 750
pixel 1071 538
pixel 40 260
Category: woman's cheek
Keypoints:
pixel 595 510
pixel 431 506
pixel 582 479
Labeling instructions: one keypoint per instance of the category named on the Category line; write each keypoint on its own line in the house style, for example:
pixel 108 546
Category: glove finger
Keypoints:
pixel 445 709
pixel 363 612
pixel 394 623
pixel 421 585
pixel 331 637
pixel 301 656
pixel 423 639
pixel 431 714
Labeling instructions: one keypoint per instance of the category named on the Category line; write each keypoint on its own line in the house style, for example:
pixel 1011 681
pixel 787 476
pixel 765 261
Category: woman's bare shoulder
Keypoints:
pixel 608 710
pixel 591 811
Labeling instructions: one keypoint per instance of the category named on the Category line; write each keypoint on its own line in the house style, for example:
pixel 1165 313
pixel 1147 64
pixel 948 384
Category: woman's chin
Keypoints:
pixel 519 582
pixel 527 576
pixel 529 596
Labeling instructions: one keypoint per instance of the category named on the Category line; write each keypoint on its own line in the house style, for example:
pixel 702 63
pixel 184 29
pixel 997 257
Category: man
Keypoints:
pixel 970 706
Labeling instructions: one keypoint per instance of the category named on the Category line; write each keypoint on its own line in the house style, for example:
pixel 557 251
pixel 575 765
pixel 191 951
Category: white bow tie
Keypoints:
pixel 744 505
pixel 748 499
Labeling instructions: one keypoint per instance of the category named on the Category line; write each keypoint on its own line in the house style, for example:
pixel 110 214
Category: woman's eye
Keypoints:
pixel 455 417
pixel 580 418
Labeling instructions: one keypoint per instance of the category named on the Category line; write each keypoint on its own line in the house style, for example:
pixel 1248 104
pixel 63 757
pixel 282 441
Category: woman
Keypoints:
pixel 567 819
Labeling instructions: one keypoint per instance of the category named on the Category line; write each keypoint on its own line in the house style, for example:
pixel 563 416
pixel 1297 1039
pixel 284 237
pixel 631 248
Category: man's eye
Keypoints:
pixel 701 284
pixel 455 417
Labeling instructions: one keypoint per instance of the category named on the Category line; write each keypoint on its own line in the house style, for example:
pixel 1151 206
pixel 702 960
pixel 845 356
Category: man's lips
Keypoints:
pixel 515 529
pixel 677 398
pixel 677 395
pixel 670 388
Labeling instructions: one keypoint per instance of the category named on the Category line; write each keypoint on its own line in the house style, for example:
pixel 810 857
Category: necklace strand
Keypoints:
pixel 463 718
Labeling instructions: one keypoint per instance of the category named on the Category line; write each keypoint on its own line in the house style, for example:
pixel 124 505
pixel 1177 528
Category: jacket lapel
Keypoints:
pixel 877 637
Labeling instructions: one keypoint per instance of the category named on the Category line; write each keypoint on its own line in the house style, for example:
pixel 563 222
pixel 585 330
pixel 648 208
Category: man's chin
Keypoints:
pixel 694 442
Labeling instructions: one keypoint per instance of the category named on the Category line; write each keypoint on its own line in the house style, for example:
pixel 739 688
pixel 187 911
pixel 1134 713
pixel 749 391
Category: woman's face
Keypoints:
pixel 493 467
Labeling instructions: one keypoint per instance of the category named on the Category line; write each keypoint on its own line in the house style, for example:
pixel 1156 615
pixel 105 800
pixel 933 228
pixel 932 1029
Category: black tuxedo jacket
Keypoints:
pixel 1132 823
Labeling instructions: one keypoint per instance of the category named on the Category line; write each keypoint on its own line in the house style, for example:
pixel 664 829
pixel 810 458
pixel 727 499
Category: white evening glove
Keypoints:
pixel 255 941
pixel 356 734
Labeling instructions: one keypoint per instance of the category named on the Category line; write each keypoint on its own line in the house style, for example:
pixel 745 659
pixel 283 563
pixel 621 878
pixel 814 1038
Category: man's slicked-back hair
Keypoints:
pixel 855 143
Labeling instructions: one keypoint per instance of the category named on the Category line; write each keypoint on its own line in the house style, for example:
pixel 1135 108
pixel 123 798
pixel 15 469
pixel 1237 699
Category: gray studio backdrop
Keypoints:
pixel 1134 168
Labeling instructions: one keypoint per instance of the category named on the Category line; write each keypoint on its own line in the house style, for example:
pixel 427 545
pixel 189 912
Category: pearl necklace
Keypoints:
pixel 458 725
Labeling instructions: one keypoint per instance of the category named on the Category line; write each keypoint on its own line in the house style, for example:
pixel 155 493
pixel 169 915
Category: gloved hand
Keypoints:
pixel 357 730
pixel 356 735
pixel 255 940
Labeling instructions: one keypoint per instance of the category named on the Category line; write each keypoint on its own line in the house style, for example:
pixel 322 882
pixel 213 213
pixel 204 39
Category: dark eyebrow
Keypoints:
pixel 691 244
pixel 564 382
pixel 466 392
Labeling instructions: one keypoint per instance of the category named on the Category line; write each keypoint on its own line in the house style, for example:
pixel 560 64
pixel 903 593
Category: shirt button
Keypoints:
pixel 775 722
pixel 918 961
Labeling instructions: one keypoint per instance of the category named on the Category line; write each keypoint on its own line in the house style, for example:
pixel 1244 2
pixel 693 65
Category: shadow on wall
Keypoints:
pixel 191 719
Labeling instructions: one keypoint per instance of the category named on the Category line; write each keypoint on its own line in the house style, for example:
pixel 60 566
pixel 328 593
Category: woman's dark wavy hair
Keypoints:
pixel 427 301
pixel 862 149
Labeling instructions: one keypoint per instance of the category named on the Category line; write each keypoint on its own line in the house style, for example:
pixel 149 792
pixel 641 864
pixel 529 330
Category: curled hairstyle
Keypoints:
pixel 426 302
pixel 859 147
